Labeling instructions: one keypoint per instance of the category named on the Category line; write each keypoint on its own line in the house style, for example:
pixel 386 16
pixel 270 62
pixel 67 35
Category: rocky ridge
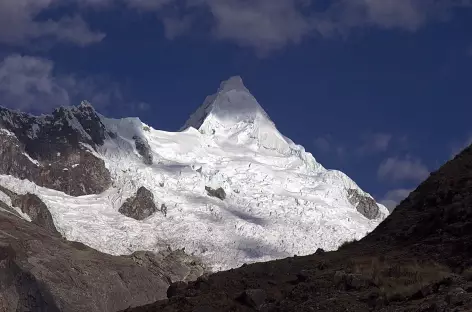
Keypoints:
pixel 55 151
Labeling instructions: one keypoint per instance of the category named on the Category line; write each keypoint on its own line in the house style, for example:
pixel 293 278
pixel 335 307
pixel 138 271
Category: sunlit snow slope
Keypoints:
pixel 280 201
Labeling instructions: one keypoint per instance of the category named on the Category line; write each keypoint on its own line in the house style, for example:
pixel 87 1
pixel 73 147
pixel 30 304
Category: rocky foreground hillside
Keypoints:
pixel 418 259
pixel 40 271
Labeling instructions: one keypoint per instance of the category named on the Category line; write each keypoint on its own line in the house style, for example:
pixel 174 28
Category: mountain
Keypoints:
pixel 228 188
pixel 418 259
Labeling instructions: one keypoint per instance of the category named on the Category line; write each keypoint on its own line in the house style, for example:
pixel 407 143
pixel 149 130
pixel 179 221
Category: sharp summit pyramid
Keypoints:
pixel 233 115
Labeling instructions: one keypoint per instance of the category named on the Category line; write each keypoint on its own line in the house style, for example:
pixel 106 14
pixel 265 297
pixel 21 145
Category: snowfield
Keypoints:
pixel 280 202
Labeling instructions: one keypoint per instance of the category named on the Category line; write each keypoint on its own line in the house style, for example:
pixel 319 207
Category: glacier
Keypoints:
pixel 280 201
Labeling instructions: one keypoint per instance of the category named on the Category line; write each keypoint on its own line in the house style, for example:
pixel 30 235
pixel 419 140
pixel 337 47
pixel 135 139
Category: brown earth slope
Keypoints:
pixel 418 259
pixel 40 271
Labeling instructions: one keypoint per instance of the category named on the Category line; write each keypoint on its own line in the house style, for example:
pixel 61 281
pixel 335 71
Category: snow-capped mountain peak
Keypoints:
pixel 233 83
pixel 233 116
pixel 231 104
pixel 230 189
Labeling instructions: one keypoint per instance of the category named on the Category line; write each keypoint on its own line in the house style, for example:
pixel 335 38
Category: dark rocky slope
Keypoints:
pixel 143 148
pixel 32 206
pixel 418 259
pixel 54 150
pixel 40 271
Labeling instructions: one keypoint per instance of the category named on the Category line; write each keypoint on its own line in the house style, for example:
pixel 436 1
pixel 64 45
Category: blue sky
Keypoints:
pixel 380 89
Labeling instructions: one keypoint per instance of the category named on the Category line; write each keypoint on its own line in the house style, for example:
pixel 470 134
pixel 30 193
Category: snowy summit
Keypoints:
pixel 233 115
pixel 232 103
pixel 229 187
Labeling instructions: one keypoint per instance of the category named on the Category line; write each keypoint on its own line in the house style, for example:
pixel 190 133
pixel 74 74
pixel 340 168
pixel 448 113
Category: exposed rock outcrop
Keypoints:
pixel 32 206
pixel 140 206
pixel 143 148
pixel 173 266
pixel 365 205
pixel 5 196
pixel 55 151
pixel 42 272
pixel 7 208
pixel 218 193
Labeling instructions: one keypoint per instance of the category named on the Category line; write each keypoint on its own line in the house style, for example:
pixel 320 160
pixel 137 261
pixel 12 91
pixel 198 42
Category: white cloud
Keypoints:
pixel 27 82
pixel 322 144
pixel 394 197
pixel 68 29
pixel 267 25
pixel 31 84
pixel 327 145
pixel 175 26
pixel 19 24
pixel 404 14
pixel 143 106
pixel 363 146
pixel 396 169
pixel 264 25
pixel 147 4
pixel 374 143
